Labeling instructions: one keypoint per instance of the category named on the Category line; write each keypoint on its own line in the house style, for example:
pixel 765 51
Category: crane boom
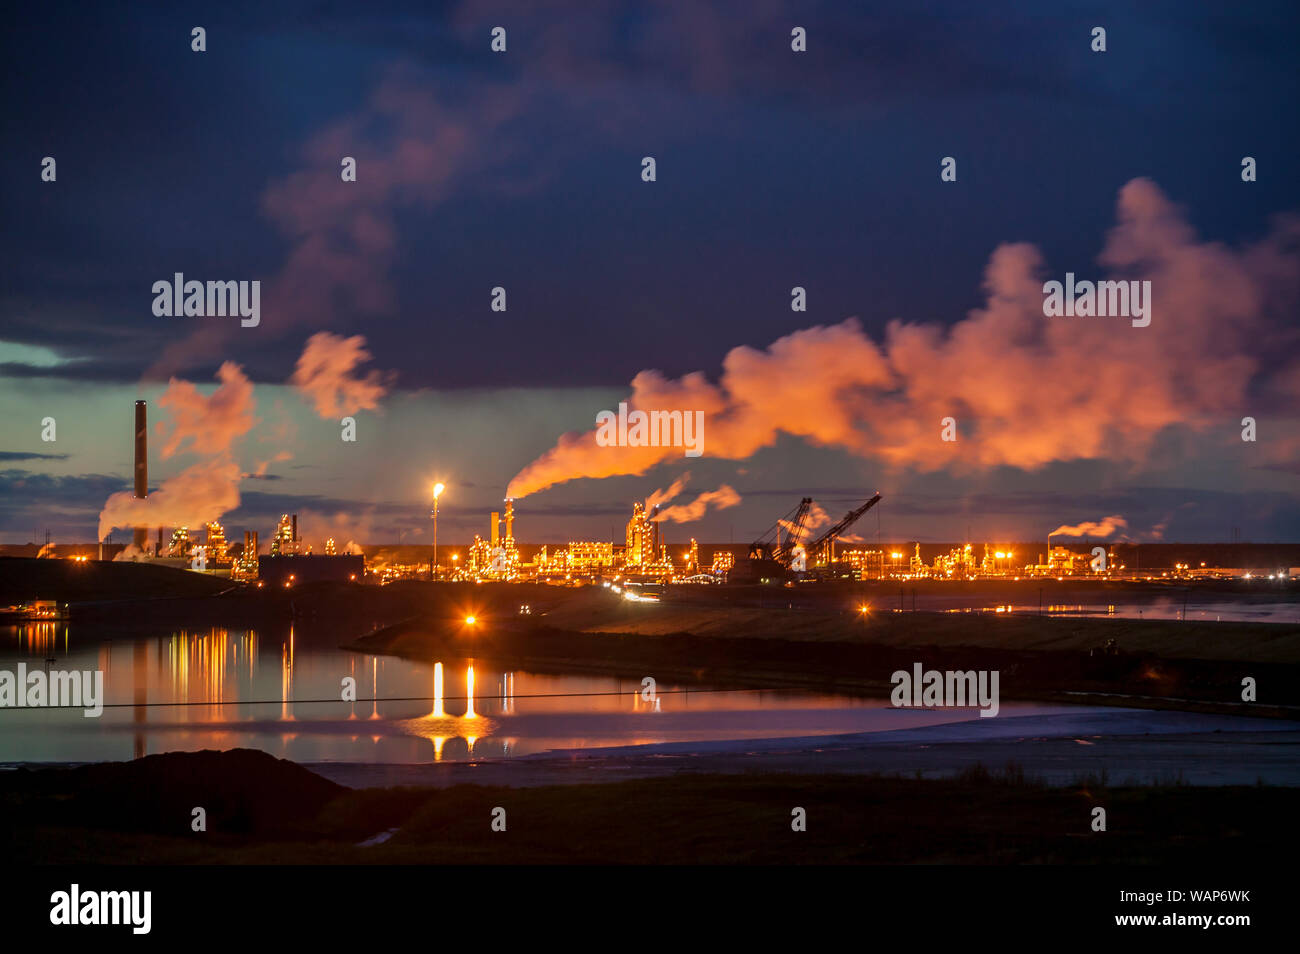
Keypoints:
pixel 823 542
pixel 783 552
pixel 769 546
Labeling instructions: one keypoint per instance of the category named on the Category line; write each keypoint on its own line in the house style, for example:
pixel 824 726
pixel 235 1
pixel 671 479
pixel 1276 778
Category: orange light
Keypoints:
pixel 470 620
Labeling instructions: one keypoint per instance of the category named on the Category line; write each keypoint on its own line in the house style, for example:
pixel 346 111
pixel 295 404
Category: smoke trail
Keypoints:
pixel 326 375
pixel 663 496
pixel 722 498
pixel 1102 528
pixel 207 427
pixel 1025 390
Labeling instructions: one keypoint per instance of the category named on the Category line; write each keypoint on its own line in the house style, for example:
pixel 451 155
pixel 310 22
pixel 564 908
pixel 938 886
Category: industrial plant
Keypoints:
pixel 802 546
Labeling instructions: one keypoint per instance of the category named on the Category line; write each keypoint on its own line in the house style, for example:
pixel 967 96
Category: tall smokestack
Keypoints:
pixel 496 528
pixel 294 536
pixel 141 465
pixel 141 450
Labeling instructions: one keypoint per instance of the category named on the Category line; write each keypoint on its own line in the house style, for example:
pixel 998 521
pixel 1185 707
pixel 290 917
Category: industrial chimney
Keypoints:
pixel 654 534
pixel 141 466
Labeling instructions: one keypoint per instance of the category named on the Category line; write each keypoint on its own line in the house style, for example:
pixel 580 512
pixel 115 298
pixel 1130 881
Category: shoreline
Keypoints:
pixel 1133 747
pixel 1047 659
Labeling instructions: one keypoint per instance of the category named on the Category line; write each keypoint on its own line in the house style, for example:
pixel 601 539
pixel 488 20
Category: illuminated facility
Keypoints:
pixel 285 541
pixel 217 550
pixel 794 549
pixel 245 567
pixel 497 558
pixel 180 546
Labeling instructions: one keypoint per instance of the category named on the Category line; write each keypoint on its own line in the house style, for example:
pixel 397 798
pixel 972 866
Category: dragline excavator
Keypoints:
pixel 770 546
pixel 783 550
pixel 819 551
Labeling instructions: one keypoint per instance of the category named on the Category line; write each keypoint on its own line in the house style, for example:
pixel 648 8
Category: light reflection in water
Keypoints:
pixel 294 709
pixel 374 688
pixel 352 704
pixel 437 692
pixel 41 638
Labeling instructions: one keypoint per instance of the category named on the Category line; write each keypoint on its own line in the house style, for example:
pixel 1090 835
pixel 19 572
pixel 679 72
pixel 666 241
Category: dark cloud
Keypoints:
pixel 25 455
pixel 771 163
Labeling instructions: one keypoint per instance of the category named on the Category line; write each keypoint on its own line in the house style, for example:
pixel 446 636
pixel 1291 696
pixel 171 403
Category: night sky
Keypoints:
pixel 775 169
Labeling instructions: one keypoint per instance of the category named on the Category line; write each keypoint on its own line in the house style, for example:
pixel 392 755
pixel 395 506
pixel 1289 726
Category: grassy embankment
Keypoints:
pixel 265 811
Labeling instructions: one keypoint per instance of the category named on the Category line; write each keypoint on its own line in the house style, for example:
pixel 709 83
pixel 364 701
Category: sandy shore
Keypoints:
pixel 1140 747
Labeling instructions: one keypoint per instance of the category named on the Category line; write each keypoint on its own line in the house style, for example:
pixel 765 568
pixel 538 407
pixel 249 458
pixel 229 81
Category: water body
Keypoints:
pixel 1217 611
pixel 282 693
pixel 1171 608
pixel 227 688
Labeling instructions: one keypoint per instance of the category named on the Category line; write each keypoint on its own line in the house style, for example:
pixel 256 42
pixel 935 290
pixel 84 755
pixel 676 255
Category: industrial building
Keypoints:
pixel 791 550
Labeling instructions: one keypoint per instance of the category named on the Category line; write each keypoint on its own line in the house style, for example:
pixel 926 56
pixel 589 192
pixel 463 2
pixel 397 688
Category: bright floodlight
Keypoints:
pixel 470 620
pixel 437 490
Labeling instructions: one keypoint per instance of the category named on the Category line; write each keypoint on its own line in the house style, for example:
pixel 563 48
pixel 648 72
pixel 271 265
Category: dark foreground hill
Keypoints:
pixel 263 810
pixel 241 791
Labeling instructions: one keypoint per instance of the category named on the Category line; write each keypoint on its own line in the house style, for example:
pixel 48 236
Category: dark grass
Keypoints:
pixel 982 817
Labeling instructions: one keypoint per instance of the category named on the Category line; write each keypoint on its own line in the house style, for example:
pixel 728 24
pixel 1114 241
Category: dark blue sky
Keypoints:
pixel 774 169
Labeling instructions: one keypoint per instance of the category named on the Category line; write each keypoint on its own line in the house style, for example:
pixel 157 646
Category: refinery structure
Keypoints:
pixel 802 546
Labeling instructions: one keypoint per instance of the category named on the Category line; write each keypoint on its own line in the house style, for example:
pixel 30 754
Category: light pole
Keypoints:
pixel 437 492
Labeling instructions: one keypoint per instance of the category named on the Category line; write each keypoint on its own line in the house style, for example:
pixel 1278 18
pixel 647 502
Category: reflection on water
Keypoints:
pixel 1222 611
pixel 221 689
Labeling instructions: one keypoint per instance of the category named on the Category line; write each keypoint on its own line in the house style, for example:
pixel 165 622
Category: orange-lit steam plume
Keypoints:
pixel 1026 390
pixel 1101 528
pixel 326 375
pixel 720 499
pixel 207 427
